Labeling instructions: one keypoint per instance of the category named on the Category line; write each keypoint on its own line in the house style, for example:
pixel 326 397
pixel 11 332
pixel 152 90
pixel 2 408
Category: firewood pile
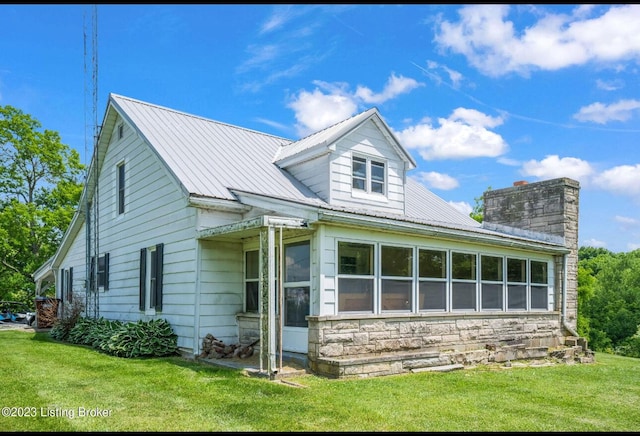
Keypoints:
pixel 213 348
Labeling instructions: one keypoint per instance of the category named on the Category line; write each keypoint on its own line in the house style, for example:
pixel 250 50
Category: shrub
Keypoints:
pixel 153 338
pixel 71 313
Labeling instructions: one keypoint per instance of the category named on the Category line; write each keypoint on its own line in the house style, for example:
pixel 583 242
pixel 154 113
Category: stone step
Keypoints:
pixel 440 368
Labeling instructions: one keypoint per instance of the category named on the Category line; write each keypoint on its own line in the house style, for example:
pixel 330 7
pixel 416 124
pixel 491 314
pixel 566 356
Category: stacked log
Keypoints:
pixel 213 348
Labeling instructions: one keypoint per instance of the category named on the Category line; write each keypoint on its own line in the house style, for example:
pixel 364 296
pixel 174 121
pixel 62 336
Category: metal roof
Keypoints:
pixel 214 159
pixel 209 157
pixel 320 141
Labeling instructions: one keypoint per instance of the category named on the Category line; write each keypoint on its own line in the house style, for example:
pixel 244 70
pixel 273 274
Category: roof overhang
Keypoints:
pixel 475 235
pixel 252 226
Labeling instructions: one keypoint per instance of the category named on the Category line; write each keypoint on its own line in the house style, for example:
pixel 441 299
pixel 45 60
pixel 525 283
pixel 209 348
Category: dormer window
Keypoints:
pixel 368 175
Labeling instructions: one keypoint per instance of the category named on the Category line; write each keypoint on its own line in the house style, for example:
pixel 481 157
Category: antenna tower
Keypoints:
pixel 92 307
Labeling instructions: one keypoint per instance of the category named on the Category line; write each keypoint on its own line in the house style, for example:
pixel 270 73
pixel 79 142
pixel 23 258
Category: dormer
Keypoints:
pixel 357 163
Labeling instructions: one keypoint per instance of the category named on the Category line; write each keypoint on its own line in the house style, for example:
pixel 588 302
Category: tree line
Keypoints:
pixel 41 183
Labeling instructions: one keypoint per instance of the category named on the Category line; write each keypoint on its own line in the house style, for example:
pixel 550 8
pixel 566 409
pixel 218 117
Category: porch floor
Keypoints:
pixel 293 364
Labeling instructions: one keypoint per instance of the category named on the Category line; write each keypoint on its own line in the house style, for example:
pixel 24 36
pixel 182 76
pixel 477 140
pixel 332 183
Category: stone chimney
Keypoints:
pixel 549 206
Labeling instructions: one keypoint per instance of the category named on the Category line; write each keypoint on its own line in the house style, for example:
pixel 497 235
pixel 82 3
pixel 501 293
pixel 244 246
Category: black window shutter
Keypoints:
pixel 92 274
pixel 158 281
pixel 70 285
pixel 143 277
pixel 106 271
pixel 62 284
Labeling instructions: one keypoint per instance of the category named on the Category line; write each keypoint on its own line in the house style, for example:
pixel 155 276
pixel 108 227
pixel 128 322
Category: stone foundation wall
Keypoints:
pixel 376 345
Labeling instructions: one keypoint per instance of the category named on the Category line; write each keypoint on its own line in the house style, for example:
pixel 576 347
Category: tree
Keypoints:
pixel 609 299
pixel 477 213
pixel 39 190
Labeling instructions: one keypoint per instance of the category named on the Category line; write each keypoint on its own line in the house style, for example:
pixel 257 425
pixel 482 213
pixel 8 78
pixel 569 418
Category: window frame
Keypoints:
pixel 121 186
pixel 391 278
pixel 369 179
pixel 151 279
pixel 342 278
pixel 445 281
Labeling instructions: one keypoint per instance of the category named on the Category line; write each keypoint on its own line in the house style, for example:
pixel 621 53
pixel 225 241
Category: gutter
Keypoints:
pixel 440 232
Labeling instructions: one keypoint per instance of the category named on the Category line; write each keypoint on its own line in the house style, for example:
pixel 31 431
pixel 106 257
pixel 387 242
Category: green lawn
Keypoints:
pixel 56 383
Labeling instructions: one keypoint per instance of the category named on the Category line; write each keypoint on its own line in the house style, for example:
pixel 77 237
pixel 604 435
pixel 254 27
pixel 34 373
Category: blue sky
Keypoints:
pixel 481 95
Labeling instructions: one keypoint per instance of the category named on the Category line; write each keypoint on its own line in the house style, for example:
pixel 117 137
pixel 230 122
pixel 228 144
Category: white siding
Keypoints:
pixel 314 174
pixel 75 259
pixel 221 290
pixel 155 213
pixel 367 140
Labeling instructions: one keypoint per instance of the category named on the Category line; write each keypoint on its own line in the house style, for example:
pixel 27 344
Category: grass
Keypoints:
pixel 43 376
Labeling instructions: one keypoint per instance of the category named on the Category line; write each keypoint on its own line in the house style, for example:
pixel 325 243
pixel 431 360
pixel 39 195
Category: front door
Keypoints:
pixel 296 301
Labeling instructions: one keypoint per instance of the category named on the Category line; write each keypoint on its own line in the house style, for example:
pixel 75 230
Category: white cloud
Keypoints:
pixel 594 243
pixel 492 44
pixel 623 179
pixel 632 246
pixel 462 206
pixel 612 85
pixel 601 113
pixel 463 135
pixel 315 110
pixel 331 103
pixel 626 223
pixel 553 166
pixel 395 86
pixel 438 180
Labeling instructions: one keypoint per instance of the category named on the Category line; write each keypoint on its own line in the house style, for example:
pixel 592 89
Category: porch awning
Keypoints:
pixel 252 226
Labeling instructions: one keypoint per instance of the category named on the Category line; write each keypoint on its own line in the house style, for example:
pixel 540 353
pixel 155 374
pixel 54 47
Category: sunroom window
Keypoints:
pixel 539 285
pixel 432 266
pixel 463 281
pixel 355 277
pixel 491 275
pixel 516 284
pixel 397 277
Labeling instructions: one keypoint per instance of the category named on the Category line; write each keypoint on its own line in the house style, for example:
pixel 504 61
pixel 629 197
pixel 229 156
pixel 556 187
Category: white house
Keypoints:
pixel 220 229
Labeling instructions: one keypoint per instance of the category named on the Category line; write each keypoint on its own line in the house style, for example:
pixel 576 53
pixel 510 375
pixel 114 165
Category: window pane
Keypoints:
pixel 539 272
pixel 396 294
pixel 377 171
pixel 296 262
pixel 355 295
pixel 491 268
pixel 433 295
pixel 517 296
pixel 296 306
pixel 463 296
pixel 251 296
pixel 433 264
pixel 251 264
pixel 491 296
pixel 517 270
pixel 377 187
pixel 359 167
pixel 539 297
pixel 463 266
pixel 355 259
pixel 397 261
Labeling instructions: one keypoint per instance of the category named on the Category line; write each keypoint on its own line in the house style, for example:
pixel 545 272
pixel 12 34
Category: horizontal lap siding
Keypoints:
pixel 221 289
pixel 314 174
pixel 368 141
pixel 155 212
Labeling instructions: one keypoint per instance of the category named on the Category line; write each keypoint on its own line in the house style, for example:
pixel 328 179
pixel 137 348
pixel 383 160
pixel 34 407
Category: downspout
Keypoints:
pixel 565 324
